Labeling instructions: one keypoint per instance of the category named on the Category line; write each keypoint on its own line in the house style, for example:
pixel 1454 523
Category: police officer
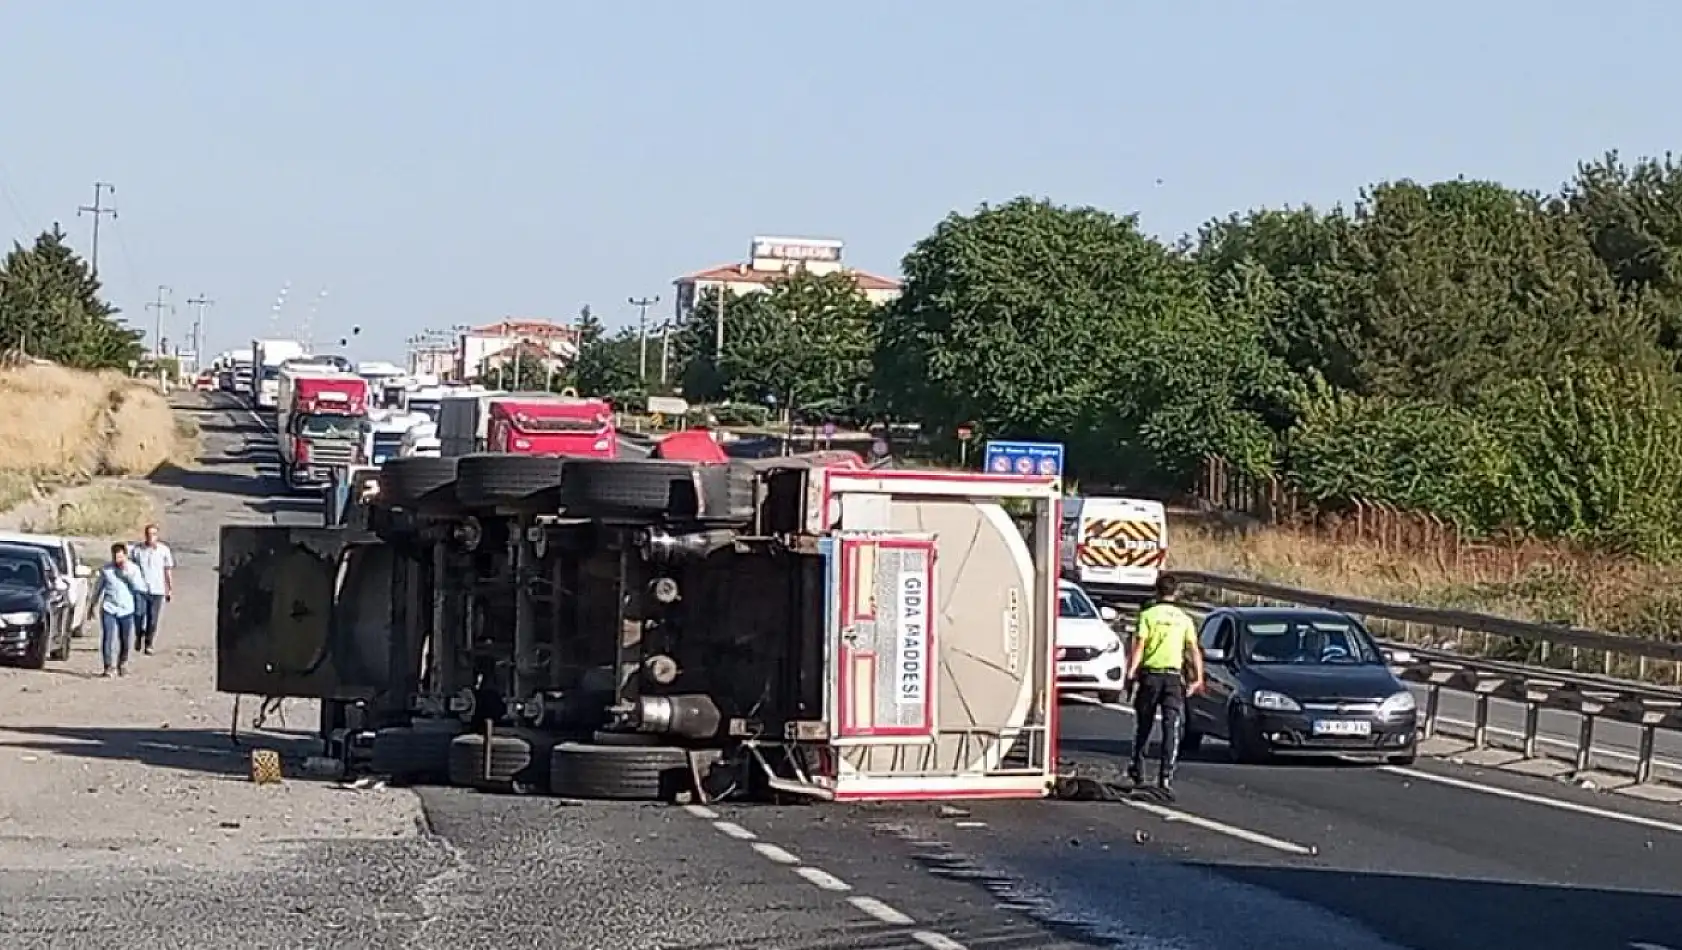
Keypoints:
pixel 1164 641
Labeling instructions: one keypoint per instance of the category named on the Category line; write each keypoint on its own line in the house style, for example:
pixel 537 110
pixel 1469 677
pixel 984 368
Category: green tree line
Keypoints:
pixel 1507 359
pixel 50 307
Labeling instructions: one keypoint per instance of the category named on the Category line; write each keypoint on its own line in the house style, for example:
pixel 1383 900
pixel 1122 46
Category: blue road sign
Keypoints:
pixel 1024 458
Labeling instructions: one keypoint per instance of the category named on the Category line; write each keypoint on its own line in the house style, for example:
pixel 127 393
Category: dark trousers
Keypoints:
pixel 1165 691
pixel 149 609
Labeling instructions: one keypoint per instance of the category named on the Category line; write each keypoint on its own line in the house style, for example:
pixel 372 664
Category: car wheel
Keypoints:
pixel 1245 747
pixel 1111 697
pixel 35 656
pixel 1191 741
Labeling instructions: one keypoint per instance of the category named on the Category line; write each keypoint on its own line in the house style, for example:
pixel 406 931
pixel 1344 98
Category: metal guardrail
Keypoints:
pixel 1643 700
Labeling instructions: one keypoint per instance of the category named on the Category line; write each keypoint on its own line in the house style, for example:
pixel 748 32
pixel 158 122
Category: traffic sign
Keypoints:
pixel 965 433
pixel 829 430
pixel 1024 458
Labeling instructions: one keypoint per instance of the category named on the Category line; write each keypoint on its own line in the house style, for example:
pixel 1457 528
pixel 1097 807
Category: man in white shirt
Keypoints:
pixel 157 586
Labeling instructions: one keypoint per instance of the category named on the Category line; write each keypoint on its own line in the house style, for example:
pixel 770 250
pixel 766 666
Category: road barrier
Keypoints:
pixel 1629 679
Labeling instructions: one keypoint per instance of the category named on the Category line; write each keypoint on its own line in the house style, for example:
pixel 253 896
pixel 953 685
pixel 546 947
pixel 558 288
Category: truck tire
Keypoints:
pixel 411 755
pixel 640 773
pixel 646 488
pixel 416 480
pixel 490 480
pixel 519 761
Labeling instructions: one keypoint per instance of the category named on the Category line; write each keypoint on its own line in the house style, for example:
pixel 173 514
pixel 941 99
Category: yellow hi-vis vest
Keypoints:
pixel 1167 632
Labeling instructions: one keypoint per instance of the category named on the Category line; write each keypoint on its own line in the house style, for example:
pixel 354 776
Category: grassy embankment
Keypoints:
pixel 60 429
pixel 1525 581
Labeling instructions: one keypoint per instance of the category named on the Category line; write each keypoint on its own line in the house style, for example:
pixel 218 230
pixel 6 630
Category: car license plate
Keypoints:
pixel 1342 727
pixel 1068 669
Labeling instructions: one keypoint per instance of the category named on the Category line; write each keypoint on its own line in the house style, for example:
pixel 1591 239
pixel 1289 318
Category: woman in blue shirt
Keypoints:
pixel 117 593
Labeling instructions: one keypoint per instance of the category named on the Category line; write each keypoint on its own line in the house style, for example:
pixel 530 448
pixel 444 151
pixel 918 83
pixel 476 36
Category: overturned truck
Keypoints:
pixel 600 628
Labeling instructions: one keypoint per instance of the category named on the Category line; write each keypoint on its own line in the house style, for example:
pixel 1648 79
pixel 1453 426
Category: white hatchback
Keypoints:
pixel 1091 656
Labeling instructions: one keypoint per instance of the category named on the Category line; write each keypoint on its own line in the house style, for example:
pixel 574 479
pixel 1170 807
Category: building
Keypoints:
pixel 495 343
pixel 770 258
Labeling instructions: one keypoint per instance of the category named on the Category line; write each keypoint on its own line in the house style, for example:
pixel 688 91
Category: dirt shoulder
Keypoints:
pixel 142 769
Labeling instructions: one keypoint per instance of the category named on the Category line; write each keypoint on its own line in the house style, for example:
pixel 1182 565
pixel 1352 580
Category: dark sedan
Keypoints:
pixel 1299 681
pixel 35 608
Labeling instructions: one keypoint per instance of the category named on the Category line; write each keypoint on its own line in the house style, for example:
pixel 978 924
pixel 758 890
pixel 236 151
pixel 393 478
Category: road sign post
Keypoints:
pixel 1024 458
pixel 965 433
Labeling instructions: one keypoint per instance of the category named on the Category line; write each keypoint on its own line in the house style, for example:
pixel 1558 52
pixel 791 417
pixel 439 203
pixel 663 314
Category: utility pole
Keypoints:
pixel 98 211
pixel 201 303
pixel 160 305
pixel 642 304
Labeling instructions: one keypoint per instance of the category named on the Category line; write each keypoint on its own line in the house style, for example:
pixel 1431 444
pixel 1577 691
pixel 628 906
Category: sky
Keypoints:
pixel 400 166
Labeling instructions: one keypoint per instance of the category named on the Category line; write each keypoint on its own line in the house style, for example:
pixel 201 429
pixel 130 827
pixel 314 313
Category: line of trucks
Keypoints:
pixel 332 415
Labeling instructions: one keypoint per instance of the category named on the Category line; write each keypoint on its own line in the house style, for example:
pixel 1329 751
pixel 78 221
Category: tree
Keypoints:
pixel 806 341
pixel 50 306
pixel 1031 320
pixel 607 367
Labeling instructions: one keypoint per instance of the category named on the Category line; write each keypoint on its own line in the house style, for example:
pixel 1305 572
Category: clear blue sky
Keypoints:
pixel 430 163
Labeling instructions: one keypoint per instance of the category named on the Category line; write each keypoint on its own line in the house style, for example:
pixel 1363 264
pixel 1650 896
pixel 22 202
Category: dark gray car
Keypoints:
pixel 35 607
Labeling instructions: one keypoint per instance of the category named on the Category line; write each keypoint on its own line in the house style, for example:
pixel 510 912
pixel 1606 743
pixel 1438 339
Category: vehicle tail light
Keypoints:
pixel 303 451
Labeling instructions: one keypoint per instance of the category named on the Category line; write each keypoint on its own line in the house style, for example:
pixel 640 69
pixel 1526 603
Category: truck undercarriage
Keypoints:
pixel 598 628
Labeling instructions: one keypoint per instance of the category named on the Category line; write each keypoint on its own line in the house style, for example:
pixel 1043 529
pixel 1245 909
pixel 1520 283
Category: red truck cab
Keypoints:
pixel 552 425
pixel 321 426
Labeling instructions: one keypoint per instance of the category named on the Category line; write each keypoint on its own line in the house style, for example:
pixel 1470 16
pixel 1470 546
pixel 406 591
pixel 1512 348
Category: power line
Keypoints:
pixel 160 305
pixel 201 303
pixel 100 189
pixel 642 304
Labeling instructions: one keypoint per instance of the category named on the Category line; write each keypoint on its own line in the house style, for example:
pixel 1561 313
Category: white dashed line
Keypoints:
pixel 882 912
pixel 1639 945
pixel 1231 831
pixel 822 878
pixel 869 906
pixel 773 853
pixel 734 830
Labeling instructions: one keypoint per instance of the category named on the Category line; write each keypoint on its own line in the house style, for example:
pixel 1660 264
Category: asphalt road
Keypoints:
pixel 1437 857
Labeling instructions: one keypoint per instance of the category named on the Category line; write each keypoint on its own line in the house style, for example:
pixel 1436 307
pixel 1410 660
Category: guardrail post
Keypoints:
pixel 1535 694
pixel 1480 709
pixel 1653 712
pixel 1589 705
pixel 1438 676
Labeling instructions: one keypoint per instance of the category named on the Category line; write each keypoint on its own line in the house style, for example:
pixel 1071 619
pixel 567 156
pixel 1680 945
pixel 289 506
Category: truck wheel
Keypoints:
pixel 416 480
pixel 490 480
pixel 414 756
pixel 641 773
pixel 519 761
pixel 650 488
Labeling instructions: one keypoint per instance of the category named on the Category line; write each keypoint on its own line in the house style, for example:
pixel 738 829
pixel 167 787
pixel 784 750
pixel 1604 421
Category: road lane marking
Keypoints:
pixel 1642 945
pixel 882 912
pixel 822 878
pixel 774 853
pixel 1231 831
pixel 871 907
pixel 734 830
pixel 1517 796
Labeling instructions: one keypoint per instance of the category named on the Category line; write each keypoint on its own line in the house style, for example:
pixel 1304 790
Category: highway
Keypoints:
pixel 1435 857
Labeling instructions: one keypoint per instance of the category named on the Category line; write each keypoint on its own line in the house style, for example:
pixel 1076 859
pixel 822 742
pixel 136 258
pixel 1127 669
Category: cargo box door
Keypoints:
pixel 302 612
pixel 883 672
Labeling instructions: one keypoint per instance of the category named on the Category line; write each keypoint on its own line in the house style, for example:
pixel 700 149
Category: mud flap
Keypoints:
pixel 299 613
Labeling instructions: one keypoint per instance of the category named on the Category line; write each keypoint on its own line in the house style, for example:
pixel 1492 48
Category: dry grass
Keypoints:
pixel 102 511
pixel 1529 581
pixel 61 426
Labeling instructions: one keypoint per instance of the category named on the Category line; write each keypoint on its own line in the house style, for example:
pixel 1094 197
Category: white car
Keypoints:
pixel 1091 656
pixel 70 567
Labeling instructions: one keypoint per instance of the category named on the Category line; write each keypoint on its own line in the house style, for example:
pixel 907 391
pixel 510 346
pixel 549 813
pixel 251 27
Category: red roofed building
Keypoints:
pixel 498 342
pixel 771 258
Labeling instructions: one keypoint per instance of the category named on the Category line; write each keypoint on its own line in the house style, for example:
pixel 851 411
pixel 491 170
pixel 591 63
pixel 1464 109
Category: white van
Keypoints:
pixel 1114 547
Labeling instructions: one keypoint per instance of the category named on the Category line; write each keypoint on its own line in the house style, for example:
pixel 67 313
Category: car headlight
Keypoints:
pixel 1274 702
pixel 1402 702
pixel 22 618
